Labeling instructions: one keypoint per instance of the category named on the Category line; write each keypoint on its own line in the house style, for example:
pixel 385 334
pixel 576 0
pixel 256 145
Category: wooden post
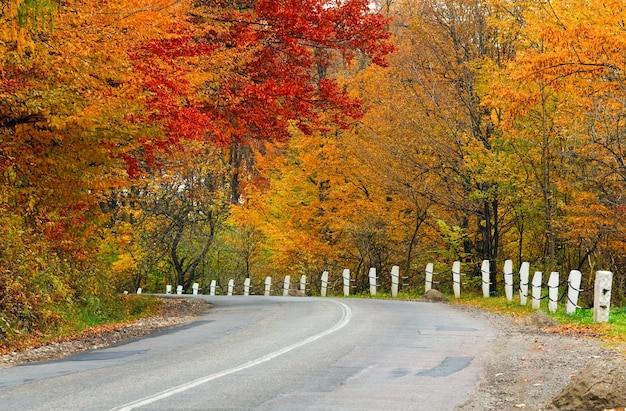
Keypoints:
pixel 524 271
pixel 324 286
pixel 346 282
pixel 286 285
pixel 268 286
pixel 395 280
pixel 372 278
pixel 231 286
pixel 246 286
pixel 536 293
pixel 430 268
pixel 456 279
pixel 602 296
pixel 508 280
pixel 573 288
pixel 553 291
pixel 484 271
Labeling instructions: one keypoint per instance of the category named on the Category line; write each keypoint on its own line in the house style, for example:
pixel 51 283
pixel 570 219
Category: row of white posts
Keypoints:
pixel 395 281
pixel 602 286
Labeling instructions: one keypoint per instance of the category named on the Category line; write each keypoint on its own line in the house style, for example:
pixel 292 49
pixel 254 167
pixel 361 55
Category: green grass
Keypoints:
pixel 579 323
pixel 89 315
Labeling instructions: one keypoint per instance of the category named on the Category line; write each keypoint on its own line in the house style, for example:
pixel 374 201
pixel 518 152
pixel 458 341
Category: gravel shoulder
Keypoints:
pixel 527 367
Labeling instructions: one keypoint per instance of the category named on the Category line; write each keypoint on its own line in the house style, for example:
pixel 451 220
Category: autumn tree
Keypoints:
pixel 564 98
pixel 245 71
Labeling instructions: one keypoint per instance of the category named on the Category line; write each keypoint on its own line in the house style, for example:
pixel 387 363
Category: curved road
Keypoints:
pixel 272 353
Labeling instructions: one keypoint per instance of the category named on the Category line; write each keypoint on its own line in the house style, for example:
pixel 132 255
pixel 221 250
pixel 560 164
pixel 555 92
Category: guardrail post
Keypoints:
pixel 303 284
pixel 536 294
pixel 179 289
pixel 524 272
pixel 430 268
pixel 324 286
pixel 508 280
pixel 139 290
pixel 231 286
pixel 286 285
pixel 553 291
pixel 195 287
pixel 573 288
pixel 168 289
pixel 395 280
pixel 346 282
pixel 246 286
pixel 602 296
pixel 268 286
pixel 456 279
pixel 212 287
pixel 372 278
pixel 486 281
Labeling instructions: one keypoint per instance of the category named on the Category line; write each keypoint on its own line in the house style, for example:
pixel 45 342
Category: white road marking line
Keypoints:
pixel 346 316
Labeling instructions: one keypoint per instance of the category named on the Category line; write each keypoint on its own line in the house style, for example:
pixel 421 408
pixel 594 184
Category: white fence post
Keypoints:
pixel 179 289
pixel 195 287
pixel 395 280
pixel 508 280
pixel 430 268
pixel 372 278
pixel 212 287
pixel 346 282
pixel 268 286
pixel 231 286
pixel 486 281
pixel 168 289
pixel 536 293
pixel 456 279
pixel 553 291
pixel 524 272
pixel 139 290
pixel 324 285
pixel 303 284
pixel 286 285
pixel 246 286
pixel 602 296
pixel 573 288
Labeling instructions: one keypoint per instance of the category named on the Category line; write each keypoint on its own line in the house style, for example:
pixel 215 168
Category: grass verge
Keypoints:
pixel 88 316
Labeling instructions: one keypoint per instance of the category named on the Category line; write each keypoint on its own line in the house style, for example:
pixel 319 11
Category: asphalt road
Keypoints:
pixel 272 353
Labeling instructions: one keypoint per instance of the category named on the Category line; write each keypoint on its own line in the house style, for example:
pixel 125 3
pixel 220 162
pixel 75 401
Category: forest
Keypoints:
pixel 153 142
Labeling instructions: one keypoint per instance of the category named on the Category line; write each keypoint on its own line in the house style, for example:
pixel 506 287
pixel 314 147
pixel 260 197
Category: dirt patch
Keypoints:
pixel 174 311
pixel 530 365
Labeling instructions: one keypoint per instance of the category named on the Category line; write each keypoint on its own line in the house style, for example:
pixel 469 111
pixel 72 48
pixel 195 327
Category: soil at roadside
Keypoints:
pixel 530 363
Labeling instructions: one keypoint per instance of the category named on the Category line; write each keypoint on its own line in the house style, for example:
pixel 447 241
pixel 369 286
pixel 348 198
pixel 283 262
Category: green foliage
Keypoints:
pixel 36 13
pixel 454 238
